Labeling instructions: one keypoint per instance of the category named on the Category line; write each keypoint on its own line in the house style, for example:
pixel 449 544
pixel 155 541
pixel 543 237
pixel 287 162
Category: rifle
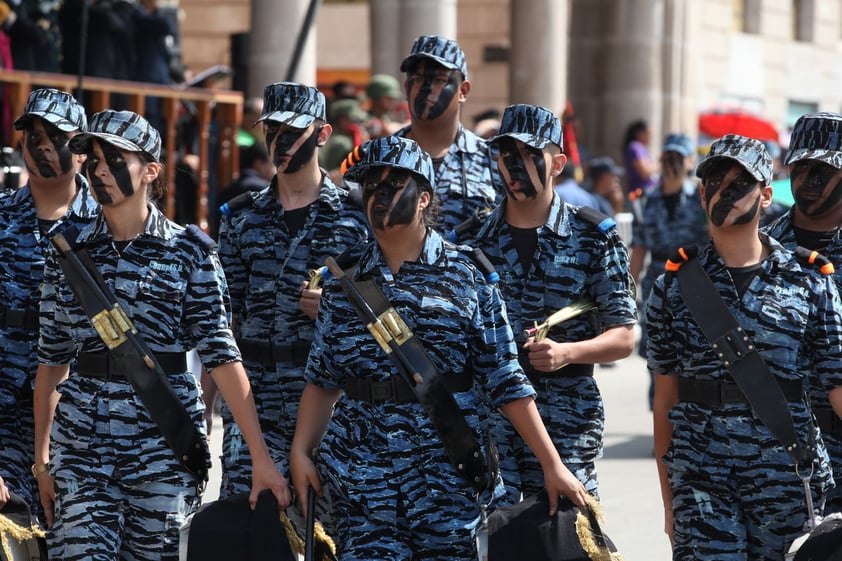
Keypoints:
pixel 579 307
pixel 310 535
pixel 115 328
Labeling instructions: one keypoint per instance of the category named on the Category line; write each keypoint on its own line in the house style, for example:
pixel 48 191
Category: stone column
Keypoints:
pixel 633 73
pixel 274 32
pixel 538 59
pixel 387 50
pixel 426 17
pixel 679 101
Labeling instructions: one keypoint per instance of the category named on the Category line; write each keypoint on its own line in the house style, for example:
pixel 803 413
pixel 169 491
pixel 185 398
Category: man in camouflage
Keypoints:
pixel 550 254
pixel 729 487
pixel 436 87
pixel 269 242
pixel 55 196
pixel 815 169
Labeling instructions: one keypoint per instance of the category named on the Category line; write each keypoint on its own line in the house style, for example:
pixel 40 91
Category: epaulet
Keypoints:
pixel 479 260
pixel 240 201
pixel 814 258
pixel 602 221
pixel 196 234
pixel 680 257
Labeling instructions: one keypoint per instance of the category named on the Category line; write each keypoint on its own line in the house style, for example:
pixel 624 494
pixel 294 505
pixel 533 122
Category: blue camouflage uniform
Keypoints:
pixel 112 466
pixel 731 478
pixel 465 180
pixel 574 259
pixel 384 463
pixel 264 267
pixel 22 249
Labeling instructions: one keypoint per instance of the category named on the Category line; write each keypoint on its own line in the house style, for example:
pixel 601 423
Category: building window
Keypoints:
pixel 797 108
pixel 803 19
pixel 751 16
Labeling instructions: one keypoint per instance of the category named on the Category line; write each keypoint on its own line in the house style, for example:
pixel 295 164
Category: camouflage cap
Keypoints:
pixel 292 104
pixel 396 152
pixel 347 108
pixel 532 125
pixel 446 52
pixel 383 85
pixel 817 136
pixel 677 142
pixel 748 152
pixel 56 107
pixel 124 129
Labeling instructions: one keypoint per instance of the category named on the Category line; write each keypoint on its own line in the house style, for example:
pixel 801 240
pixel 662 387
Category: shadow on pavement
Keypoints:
pixel 631 447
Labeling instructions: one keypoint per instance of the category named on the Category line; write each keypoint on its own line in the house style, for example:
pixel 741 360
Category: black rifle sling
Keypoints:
pixel 737 352
pixel 414 364
pixel 143 371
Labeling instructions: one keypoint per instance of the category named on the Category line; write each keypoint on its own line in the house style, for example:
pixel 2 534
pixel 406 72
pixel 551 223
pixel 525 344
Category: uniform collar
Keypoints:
pixel 157 226
pixel 329 194
pixel 432 253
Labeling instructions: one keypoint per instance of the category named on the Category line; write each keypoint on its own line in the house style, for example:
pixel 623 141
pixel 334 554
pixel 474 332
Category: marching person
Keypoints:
pixel 269 242
pixel 671 216
pixel 549 255
pixel 815 170
pixel 394 492
pixel 730 488
pixel 436 87
pixel 111 486
pixel 56 195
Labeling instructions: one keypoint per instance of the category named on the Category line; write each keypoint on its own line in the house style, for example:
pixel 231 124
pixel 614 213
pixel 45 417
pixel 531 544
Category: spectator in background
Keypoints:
pixel 109 51
pixel 33 31
pixel 152 30
pixel 604 179
pixel 256 169
pixel 347 118
pixel 570 191
pixel 387 110
pixel 640 167
pixel 249 133
pixel 487 123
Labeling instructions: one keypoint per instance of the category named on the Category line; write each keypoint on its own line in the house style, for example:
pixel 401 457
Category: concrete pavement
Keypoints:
pixel 629 491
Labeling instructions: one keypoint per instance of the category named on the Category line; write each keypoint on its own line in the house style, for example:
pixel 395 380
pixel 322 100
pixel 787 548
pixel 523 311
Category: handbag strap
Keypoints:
pixel 737 352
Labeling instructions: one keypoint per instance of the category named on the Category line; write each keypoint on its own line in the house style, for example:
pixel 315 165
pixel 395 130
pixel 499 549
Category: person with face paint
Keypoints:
pixel 268 246
pixel 111 486
pixel 815 169
pixel 394 492
pixel 436 87
pixel 729 487
pixel 550 254
pixel 55 196
pixel 671 216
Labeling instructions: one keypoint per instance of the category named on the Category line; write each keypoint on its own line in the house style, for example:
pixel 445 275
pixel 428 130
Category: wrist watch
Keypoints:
pixel 38 469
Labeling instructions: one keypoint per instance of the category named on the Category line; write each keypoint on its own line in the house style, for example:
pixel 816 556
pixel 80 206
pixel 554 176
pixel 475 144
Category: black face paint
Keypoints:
pixel 304 153
pixel 42 164
pixel 429 77
pixel 390 200
pixel 516 167
pixel 117 166
pixel 733 187
pixel 815 187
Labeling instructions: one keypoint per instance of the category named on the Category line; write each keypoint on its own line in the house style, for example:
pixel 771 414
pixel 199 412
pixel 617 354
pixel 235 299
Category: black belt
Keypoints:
pixel 397 389
pixel 27 319
pixel 99 365
pixel 568 371
pixel 260 351
pixel 828 420
pixel 717 393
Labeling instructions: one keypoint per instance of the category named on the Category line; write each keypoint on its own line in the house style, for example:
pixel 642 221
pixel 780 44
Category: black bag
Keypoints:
pixel 526 531
pixel 823 543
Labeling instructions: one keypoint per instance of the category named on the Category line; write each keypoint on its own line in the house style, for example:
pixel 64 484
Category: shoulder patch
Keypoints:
pixel 815 259
pixel 602 221
pixel 197 235
pixel 240 201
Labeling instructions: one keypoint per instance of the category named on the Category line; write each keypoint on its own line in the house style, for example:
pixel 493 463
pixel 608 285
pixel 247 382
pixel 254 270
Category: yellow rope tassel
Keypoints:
pixel 586 537
pixel 21 534
pixel 296 543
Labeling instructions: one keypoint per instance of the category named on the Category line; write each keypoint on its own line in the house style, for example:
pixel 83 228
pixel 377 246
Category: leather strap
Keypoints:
pixel 26 319
pixel 739 355
pixel 266 352
pixel 828 421
pixel 102 365
pixel 718 393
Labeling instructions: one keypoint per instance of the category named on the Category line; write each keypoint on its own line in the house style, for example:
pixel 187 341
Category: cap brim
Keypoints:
pixel 356 172
pixel 60 123
pixel 288 118
pixel 81 143
pixel 830 157
pixel 534 141
pixel 700 169
pixel 410 61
